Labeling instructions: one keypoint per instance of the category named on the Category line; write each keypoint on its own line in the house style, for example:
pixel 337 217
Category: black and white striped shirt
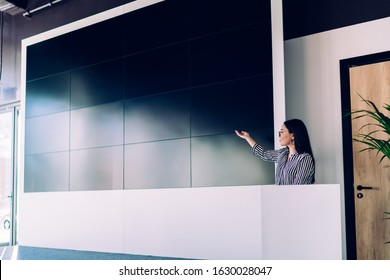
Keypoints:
pixel 298 169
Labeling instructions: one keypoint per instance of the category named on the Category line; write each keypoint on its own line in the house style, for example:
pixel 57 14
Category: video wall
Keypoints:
pixel 151 99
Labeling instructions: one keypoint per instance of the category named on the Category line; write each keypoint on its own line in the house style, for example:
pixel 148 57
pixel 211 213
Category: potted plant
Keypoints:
pixel 382 123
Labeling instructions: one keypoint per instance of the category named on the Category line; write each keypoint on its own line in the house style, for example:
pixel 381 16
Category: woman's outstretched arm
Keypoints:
pixel 258 150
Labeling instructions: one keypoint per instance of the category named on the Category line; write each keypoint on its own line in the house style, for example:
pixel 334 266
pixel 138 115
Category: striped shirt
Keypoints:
pixel 298 169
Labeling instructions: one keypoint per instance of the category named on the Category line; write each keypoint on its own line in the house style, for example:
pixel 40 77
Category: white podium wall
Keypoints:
pixel 241 222
pixel 301 222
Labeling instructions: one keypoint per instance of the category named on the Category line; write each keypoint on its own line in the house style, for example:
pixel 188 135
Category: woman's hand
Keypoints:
pixel 242 134
pixel 245 135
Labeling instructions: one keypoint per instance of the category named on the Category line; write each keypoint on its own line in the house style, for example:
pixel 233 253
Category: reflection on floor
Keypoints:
pixel 35 253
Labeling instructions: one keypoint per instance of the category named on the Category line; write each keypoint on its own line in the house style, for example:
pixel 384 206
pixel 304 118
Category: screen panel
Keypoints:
pixel 160 70
pixel 159 25
pixel 98 84
pixel 48 95
pixel 49 57
pixel 96 169
pixel 233 54
pixel 203 19
pixel 97 126
pixel 159 117
pixel 47 172
pixel 227 160
pixel 161 164
pixel 242 104
pixel 97 43
pixel 48 133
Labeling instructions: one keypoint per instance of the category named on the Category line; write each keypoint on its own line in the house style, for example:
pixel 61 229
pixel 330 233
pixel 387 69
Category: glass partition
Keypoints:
pixel 6 175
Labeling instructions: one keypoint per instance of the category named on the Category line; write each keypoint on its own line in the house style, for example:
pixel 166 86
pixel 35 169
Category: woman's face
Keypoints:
pixel 285 137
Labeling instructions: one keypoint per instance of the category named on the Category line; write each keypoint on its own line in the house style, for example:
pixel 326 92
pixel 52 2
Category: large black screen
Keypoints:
pixel 150 99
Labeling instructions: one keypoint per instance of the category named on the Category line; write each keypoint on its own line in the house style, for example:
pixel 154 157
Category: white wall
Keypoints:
pixel 312 78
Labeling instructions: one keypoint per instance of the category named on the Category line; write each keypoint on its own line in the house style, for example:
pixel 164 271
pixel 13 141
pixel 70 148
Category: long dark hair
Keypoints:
pixel 301 136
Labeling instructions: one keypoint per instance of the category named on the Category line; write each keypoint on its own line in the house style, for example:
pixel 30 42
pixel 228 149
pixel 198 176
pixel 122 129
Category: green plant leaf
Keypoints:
pixel 382 122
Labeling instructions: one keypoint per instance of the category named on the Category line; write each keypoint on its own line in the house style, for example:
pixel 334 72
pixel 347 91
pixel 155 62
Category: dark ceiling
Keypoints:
pixel 300 17
pixel 29 4
pixel 305 17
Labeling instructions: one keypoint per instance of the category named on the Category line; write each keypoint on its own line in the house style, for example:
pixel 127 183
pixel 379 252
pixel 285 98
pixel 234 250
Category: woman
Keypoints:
pixel 295 162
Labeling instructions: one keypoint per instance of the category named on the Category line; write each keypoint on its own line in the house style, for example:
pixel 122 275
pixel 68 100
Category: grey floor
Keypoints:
pixel 35 253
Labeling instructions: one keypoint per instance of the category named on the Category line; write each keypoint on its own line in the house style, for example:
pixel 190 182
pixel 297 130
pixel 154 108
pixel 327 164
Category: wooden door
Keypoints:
pixel 372 229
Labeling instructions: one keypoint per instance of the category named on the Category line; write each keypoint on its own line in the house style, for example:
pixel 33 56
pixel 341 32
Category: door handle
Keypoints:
pixel 360 187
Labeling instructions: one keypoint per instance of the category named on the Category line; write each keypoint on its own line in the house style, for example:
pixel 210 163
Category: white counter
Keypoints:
pixel 240 222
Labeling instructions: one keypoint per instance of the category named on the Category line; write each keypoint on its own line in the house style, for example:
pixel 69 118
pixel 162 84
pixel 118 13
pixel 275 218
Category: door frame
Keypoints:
pixel 349 196
pixel 15 109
